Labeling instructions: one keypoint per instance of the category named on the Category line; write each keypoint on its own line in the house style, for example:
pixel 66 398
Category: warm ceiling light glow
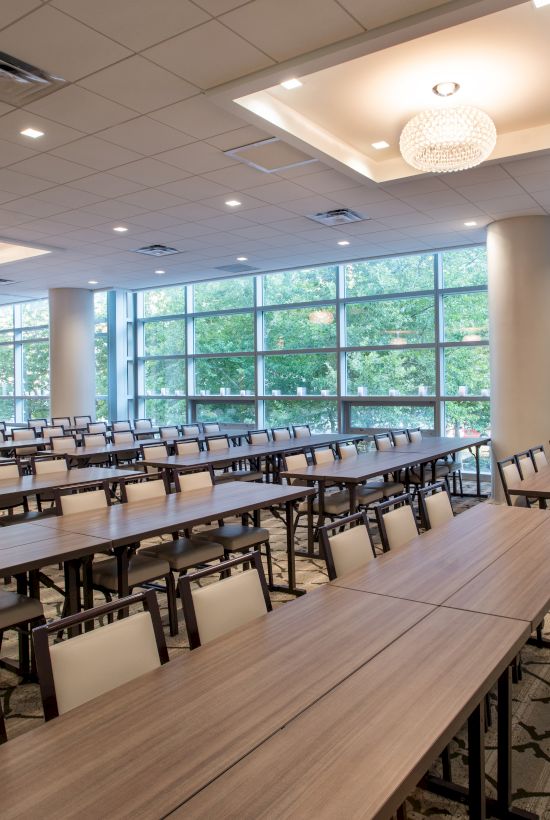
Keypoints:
pixel 13 253
pixel 120 229
pixel 445 89
pixel 470 224
pixel 321 317
pixel 441 140
pixel 343 242
pixel 538 4
pixel 242 258
pixel 233 203
pixel 292 83
pixel 380 145
pixel 33 133
pixel 160 272
pixel 93 282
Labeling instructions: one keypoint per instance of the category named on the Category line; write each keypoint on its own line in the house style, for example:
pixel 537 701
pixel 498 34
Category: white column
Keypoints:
pixel 518 255
pixel 72 353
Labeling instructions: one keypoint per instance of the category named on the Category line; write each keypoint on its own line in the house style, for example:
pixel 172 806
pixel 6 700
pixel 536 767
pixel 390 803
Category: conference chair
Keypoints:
pixel 396 521
pixel 346 550
pixel 435 505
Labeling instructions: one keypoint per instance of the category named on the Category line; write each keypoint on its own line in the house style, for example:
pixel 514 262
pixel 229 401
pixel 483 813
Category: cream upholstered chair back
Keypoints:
pixel 82 502
pixel 154 451
pixel 302 431
pixel 511 473
pixel 60 444
pixel 82 421
pixel 195 481
pixel 94 439
pixel 438 509
pixel 143 490
pixel 540 458
pixel 259 437
pixel 97 427
pixel 123 437
pixel 298 461
pixel 227 604
pixel 325 456
pixel 280 433
pixel 400 526
pixel 53 432
pixel 211 427
pixel 415 436
pixel 10 470
pixel 526 466
pixel 121 426
pixel 350 549
pixel 142 424
pixel 347 450
pixel 400 439
pixel 191 430
pixel 187 448
pixel 63 421
pixel 37 424
pixel 95 662
pixel 215 444
pixel 383 442
pixel 169 433
pixel 49 465
pixel 23 433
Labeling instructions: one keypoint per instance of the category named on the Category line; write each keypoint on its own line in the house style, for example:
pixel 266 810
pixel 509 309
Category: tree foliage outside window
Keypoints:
pixel 298 329
pixel 224 294
pixel 226 412
pixel 387 321
pixel 234 373
pixel 403 370
pixel 164 301
pixel 382 417
pixel 225 333
pixel 320 414
pixel 311 371
pixel 390 275
pixel 306 285
pixel 464 267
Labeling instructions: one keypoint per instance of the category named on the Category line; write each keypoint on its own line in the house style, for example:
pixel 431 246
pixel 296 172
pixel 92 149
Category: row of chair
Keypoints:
pixel 518 467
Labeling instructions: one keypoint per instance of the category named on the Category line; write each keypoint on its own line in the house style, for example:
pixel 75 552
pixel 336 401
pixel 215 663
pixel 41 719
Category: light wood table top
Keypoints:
pixel 33 484
pixel 23 533
pixel 361 749
pixel 517 584
pixel 439 446
pixel 128 523
pixel 48 547
pixel 144 748
pixel 6 446
pixel 533 486
pixel 439 562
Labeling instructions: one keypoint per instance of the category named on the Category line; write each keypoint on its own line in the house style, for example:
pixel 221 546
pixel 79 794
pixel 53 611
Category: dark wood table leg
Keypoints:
pixel 476 764
pixel 352 490
pixel 291 589
pixel 87 589
pixel 122 576
pixel 72 592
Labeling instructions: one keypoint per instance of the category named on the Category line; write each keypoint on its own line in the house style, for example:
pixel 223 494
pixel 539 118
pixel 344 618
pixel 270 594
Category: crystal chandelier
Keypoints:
pixel 448 139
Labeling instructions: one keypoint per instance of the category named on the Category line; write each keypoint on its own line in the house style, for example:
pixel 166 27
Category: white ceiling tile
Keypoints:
pixel 239 177
pixel 9 218
pixel 190 55
pixel 441 199
pixel 80 109
pixel 55 169
pixel 483 173
pixel 115 209
pixel 535 183
pixel 197 158
pixel 151 199
pixel 11 10
pixel 303 170
pixel 59 44
pixel 81 219
pixel 247 135
pixel 415 187
pixel 529 165
pixel 285 29
pixel 512 205
pixel 55 134
pixel 48 227
pixel 491 190
pixel 259 232
pixel 11 152
pixel 195 188
pixel 404 220
pixel 226 222
pixel 31 206
pixel 67 197
pixel 136 23
pixel 198 116
pixel 95 153
pixel 146 136
pixel 154 219
pixel 266 214
pixel 292 225
pixel 372 15
pixel 216 7
pixel 310 205
pixel 106 185
pixel 326 182
pixel 192 212
pixel 277 192
pixel 139 84
pixel 13 182
pixel 467 211
pixel 382 209
pixel 361 197
pixel 149 172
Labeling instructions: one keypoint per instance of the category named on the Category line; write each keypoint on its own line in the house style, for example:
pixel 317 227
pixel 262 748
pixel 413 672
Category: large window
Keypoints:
pixel 101 356
pixel 24 361
pixel 387 342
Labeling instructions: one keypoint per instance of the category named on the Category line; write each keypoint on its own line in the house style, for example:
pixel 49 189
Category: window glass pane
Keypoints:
pixel 164 377
pixel 101 410
pixel 231 333
pixel 308 285
pixel 232 373
pixel 382 417
pixel 164 301
pixel 6 370
pixel 390 275
pixel 101 366
pixel 466 266
pixel 100 306
pixel 321 415
pixel 166 411
pixel 391 321
pixel 36 368
pixel 230 412
pixel 36 408
pixel 381 371
pixel 164 338
pixel 7 410
pixel 35 313
pixel 6 317
pixel 466 317
pixel 467 371
pixel 470 418
pixel 301 328
pixel 224 294
pixel 35 333
pixel 312 371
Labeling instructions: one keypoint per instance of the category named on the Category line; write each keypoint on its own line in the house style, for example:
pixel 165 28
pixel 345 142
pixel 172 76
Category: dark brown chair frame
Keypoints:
pixel 187 441
pixel 197 431
pixel 430 489
pixel 275 430
pixel 144 447
pixel 299 426
pixel 177 427
pixel 357 518
pixel 394 433
pixel 42 650
pixel 500 465
pixel 78 423
pixel 224 567
pixel 384 507
pixel 538 449
pixel 379 436
pixel 77 488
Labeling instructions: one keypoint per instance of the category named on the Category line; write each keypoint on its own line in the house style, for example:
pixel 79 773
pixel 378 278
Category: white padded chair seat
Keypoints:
pixel 441 471
pixel 335 503
pixel 235 536
pixel 388 487
pixel 141 568
pixel 239 475
pixel 16 609
pixel 185 552
pixel 369 493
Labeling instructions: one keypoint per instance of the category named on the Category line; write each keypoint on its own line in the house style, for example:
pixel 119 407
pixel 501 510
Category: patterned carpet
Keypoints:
pixel 531 697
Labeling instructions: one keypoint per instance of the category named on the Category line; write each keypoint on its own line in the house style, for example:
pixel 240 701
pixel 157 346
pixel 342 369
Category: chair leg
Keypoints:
pixel 172 606
pixel 269 564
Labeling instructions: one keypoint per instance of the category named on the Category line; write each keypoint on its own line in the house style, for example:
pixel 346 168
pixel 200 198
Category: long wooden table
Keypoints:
pixel 35 484
pixel 533 486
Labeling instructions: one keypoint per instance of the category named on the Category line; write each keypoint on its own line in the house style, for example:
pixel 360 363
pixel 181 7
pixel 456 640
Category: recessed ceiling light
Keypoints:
pixel 160 272
pixel 242 258
pixel 343 242
pixel 380 144
pixel 540 3
pixel 233 203
pixel 292 83
pixel 445 89
pixel 33 133
pixel 13 253
pixel 93 282
pixel 470 224
pixel 120 229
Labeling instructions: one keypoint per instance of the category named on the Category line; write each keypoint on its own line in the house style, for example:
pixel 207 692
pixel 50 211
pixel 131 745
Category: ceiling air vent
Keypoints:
pixel 22 83
pixel 157 250
pixel 340 216
pixel 236 268
pixel 7 282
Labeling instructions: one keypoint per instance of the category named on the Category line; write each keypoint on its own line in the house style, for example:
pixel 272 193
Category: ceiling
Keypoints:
pixel 136 138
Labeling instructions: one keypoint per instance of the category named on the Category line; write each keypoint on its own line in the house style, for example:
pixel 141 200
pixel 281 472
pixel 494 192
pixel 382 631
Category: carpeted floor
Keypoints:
pixel 531 697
